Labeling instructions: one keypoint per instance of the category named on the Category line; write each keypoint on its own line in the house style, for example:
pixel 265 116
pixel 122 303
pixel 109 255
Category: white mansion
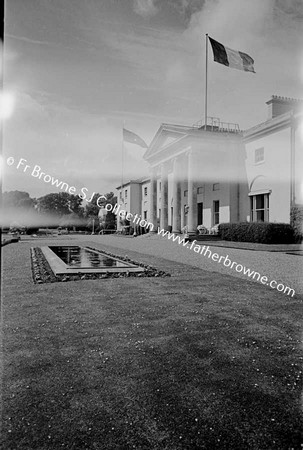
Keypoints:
pixel 217 173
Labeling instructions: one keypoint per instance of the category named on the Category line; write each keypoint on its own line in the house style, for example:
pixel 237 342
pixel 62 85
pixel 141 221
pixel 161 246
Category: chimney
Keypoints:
pixel 281 105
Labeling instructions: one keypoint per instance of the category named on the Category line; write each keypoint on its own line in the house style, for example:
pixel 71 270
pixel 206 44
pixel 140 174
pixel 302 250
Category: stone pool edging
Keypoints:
pixel 42 272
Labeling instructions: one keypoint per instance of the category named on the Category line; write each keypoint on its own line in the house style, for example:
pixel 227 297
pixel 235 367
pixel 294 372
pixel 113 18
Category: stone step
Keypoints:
pixel 205 237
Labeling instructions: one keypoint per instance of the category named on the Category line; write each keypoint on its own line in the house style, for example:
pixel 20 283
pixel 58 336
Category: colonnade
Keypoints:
pixel 183 169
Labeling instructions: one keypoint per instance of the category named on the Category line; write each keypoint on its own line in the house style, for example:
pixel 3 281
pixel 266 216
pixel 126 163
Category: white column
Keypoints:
pixel 192 195
pixel 176 196
pixel 153 199
pixel 164 197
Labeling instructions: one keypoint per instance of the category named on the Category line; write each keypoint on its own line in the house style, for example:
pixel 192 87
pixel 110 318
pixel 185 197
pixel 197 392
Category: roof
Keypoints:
pixel 136 181
pixel 271 125
pixel 279 99
pixel 169 136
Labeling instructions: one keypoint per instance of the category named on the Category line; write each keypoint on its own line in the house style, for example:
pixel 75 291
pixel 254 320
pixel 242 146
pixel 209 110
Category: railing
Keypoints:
pixel 215 124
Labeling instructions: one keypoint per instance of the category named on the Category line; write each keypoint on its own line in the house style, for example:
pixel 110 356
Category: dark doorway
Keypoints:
pixel 200 213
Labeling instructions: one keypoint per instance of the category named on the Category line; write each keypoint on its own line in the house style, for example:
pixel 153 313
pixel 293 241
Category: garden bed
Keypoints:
pixel 42 272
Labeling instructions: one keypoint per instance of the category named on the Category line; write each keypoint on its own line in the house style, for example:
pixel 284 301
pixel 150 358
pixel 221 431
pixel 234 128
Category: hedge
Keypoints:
pixel 296 219
pixel 33 230
pixel 260 232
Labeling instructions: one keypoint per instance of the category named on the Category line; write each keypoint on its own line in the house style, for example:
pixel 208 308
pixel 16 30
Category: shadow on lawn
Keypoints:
pixel 164 364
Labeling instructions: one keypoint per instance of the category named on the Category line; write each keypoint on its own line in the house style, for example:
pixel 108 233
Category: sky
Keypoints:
pixel 77 71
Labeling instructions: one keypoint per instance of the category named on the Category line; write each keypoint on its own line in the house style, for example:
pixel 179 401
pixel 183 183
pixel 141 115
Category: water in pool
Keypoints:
pixel 84 258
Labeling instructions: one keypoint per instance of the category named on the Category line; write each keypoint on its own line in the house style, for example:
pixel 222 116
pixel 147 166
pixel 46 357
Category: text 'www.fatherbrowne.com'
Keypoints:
pixel 205 251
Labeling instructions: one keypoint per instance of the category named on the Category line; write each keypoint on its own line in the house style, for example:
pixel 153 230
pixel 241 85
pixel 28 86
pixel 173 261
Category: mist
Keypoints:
pixel 14 217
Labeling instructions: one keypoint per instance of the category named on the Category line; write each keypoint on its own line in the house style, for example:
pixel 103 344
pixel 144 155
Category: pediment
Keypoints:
pixel 168 140
pixel 166 136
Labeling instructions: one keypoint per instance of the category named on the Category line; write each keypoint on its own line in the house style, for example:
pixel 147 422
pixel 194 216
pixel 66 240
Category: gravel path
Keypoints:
pixel 278 266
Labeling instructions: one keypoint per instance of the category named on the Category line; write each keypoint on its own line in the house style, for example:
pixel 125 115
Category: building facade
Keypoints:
pixel 196 176
pixel 216 173
pixel 133 199
pixel 274 162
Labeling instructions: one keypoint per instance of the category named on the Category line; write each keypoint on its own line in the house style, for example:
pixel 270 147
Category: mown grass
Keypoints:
pixel 195 361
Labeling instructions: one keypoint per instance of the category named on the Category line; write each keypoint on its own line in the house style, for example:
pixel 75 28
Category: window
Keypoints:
pixel 216 186
pixel 120 195
pixel 145 215
pixel 200 213
pixel 259 155
pixel 200 190
pixel 259 208
pixel 185 193
pixel 125 193
pixel 145 191
pixel 216 212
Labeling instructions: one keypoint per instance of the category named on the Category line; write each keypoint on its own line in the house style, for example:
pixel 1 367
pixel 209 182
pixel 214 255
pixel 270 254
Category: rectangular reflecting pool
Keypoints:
pixel 84 258
pixel 71 259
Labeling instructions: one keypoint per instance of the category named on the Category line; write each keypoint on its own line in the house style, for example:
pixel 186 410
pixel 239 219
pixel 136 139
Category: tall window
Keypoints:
pixel 125 193
pixel 200 213
pixel 216 212
pixel 145 215
pixel 145 191
pixel 185 193
pixel 259 155
pixel 259 208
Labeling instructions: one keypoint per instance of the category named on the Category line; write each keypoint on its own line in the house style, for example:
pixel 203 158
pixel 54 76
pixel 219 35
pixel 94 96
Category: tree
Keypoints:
pixel 60 204
pixel 62 209
pixel 17 199
pixel 92 208
pixel 18 209
pixel 110 218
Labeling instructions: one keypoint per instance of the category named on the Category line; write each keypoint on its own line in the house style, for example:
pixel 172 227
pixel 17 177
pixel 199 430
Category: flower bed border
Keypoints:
pixel 42 272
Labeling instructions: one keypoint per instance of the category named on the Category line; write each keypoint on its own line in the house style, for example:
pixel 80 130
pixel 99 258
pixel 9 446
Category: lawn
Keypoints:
pixel 199 360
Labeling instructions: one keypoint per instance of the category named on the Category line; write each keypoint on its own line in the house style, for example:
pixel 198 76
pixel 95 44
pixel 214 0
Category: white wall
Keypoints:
pixel 299 164
pixel 145 202
pixel 272 174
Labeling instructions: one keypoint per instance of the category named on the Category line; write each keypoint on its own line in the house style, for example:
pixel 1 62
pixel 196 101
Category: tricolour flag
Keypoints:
pixel 133 138
pixel 231 58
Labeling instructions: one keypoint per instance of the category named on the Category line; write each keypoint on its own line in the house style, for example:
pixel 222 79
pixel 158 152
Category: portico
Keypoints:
pixel 185 165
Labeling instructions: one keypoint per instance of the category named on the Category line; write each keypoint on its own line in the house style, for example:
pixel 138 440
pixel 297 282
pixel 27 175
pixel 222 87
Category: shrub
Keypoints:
pixel 32 230
pixel 202 229
pixel 296 219
pixel 260 232
pixel 110 226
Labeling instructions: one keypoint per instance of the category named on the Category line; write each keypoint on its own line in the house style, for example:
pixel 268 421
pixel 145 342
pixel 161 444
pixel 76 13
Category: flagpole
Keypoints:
pixel 206 70
pixel 122 160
